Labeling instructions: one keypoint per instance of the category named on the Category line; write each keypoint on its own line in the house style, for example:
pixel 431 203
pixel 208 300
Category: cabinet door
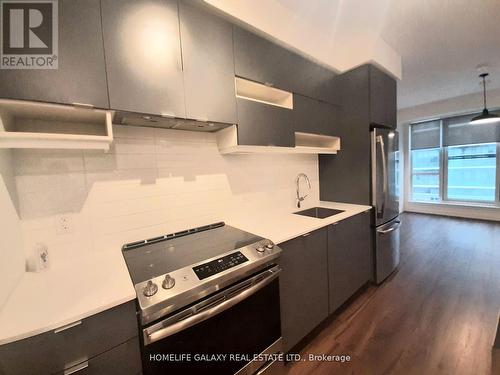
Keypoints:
pixel 314 116
pixel 264 125
pixel 143 56
pixel 260 60
pixel 345 177
pixel 80 76
pixel 348 258
pixel 207 55
pixel 303 286
pixel 382 98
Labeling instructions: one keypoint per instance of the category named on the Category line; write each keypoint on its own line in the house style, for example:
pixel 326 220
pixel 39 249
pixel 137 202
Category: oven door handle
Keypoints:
pixel 158 331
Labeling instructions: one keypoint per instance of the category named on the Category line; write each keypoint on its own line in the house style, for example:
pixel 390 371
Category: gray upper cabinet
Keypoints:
pixel 348 258
pixel 81 75
pixel 143 56
pixel 260 60
pixel 314 116
pixel 345 177
pixel 383 101
pixel 207 55
pixel 264 125
pixel 303 286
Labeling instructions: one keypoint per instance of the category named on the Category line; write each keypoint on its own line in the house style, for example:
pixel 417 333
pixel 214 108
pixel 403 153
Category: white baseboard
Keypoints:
pixel 468 212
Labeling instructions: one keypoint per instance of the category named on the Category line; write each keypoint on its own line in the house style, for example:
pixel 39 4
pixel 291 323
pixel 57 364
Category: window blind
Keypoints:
pixel 425 135
pixel 458 131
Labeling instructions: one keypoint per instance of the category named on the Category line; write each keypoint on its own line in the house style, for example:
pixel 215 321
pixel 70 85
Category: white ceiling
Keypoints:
pixel 441 42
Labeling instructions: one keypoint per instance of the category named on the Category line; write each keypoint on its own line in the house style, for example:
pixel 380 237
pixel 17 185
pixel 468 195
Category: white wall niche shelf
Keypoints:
pixel 261 93
pixel 305 143
pixel 26 124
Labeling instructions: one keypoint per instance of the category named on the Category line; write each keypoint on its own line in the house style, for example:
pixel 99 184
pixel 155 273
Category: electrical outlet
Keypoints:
pixel 64 224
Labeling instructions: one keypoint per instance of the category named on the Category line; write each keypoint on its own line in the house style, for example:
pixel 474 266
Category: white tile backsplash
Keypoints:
pixel 151 182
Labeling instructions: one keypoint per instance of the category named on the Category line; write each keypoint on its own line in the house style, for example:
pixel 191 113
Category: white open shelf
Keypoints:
pixel 258 92
pixel 305 143
pixel 26 124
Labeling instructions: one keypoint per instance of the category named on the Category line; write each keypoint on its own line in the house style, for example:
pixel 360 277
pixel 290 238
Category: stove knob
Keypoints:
pixel 270 245
pixel 168 282
pixel 150 289
pixel 260 249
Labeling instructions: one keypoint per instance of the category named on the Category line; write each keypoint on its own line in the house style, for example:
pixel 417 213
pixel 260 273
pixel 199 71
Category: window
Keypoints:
pixel 425 175
pixel 453 160
pixel 472 172
pixel 425 141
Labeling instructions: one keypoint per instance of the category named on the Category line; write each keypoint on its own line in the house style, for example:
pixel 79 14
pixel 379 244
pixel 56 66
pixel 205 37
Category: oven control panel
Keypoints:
pixel 219 265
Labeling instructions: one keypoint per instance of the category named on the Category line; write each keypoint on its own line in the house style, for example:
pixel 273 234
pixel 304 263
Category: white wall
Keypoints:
pixel 152 182
pixel 12 261
pixel 449 107
pixel 453 106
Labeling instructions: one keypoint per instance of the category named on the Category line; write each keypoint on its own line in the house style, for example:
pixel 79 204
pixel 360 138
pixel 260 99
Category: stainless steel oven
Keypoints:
pixel 212 306
pixel 222 334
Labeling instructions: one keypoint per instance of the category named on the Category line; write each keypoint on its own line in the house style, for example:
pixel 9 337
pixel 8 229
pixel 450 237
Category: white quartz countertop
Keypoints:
pixel 93 283
pixel 281 226
pixel 56 297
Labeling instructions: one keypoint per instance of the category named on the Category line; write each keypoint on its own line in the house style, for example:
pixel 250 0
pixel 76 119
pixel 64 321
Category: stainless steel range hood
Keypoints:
pixel 166 122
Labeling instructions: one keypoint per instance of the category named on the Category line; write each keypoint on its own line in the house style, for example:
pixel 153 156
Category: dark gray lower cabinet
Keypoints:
pixel 348 258
pixel 58 350
pixel 264 125
pixel 124 359
pixel 303 286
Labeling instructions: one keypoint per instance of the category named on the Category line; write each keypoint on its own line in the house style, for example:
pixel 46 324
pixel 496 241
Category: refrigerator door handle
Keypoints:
pixel 392 228
pixel 380 141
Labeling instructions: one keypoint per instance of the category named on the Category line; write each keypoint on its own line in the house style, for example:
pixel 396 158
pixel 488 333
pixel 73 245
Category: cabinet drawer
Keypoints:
pixel 62 348
pixel 124 359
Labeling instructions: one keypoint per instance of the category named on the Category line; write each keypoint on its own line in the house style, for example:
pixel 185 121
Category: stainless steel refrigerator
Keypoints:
pixel 385 200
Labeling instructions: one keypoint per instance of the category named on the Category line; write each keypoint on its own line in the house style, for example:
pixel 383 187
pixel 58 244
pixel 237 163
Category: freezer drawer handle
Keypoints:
pixel 158 331
pixel 392 228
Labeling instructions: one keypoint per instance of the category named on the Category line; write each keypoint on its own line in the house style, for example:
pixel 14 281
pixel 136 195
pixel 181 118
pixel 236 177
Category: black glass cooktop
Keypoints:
pixel 147 260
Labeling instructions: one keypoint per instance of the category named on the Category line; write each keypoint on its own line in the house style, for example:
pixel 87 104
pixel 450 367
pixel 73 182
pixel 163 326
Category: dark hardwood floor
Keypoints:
pixel 437 315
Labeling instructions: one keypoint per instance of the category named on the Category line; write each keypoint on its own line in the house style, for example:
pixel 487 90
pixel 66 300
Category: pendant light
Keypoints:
pixel 485 117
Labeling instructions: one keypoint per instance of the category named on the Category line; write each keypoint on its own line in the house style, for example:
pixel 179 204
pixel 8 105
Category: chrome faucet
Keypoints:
pixel 297 182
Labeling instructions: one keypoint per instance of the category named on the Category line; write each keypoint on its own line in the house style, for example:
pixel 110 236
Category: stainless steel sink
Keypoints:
pixel 319 212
